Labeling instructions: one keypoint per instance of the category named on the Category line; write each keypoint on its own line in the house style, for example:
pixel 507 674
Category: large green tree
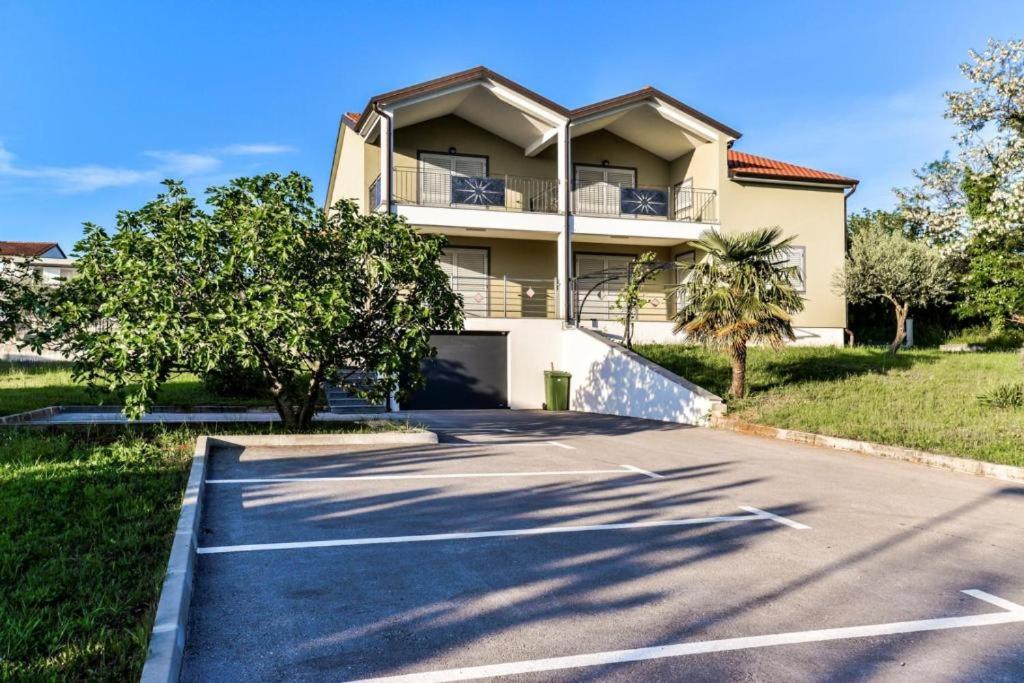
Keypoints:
pixel 888 266
pixel 263 278
pixel 741 292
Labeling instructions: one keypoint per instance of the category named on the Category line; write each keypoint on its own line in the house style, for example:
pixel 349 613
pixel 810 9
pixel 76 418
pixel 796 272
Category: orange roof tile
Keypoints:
pixel 742 164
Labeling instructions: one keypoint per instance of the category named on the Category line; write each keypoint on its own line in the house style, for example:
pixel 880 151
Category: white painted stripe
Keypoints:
pixel 646 473
pixel 708 646
pixel 389 477
pixel 562 445
pixel 993 600
pixel 535 531
pixel 770 515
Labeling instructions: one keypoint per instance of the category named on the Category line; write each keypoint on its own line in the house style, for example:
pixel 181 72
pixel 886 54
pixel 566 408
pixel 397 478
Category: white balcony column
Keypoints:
pixel 563 170
pixel 564 243
pixel 386 155
pixel 563 274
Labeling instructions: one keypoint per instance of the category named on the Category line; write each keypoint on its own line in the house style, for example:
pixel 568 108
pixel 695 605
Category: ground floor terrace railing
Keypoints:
pixel 679 202
pixel 495 191
pixel 595 299
pixel 507 296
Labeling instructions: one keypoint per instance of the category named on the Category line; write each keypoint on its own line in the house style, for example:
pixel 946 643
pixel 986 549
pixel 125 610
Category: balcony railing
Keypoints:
pixel 494 192
pixel 679 202
pixel 594 299
pixel 375 198
pixel 507 296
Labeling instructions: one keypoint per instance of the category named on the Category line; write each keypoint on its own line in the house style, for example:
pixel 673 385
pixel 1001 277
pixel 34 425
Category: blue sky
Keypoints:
pixel 99 101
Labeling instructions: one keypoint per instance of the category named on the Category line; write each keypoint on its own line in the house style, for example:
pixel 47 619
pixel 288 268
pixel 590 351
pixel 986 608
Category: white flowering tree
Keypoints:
pixel 972 204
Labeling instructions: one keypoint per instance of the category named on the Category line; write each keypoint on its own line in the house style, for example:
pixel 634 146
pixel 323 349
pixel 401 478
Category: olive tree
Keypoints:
pixel 888 266
pixel 260 277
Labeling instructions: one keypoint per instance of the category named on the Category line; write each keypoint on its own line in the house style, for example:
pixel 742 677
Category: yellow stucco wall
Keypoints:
pixel 816 217
pixel 440 134
pixel 593 148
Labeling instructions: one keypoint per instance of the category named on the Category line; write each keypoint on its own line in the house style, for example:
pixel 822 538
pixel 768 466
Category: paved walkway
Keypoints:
pixel 567 547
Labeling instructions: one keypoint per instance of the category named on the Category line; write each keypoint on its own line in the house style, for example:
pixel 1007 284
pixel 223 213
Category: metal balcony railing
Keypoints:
pixel 375 198
pixel 507 296
pixel 494 192
pixel 679 202
pixel 594 299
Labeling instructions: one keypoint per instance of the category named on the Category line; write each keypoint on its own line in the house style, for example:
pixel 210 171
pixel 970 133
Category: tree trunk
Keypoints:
pixel 628 331
pixel 738 360
pixel 901 326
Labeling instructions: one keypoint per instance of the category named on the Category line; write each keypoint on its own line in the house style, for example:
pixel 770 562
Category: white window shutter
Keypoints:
pixel 473 167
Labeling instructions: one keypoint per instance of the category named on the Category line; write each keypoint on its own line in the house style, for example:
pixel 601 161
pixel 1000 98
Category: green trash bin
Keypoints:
pixel 556 390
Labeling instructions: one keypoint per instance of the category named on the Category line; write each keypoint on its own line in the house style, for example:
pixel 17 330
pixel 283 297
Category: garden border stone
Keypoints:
pixel 937 460
pixel 170 626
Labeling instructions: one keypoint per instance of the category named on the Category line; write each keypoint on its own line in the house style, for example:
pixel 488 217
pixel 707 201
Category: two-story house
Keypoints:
pixel 544 208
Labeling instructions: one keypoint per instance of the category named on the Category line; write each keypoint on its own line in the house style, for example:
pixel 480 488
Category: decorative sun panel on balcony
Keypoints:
pixel 643 202
pixel 478 191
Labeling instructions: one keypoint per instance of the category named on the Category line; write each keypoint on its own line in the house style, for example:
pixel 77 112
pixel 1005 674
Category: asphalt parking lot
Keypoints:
pixel 540 546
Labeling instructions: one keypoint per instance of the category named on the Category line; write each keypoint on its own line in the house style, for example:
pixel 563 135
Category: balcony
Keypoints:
pixel 495 192
pixel 680 202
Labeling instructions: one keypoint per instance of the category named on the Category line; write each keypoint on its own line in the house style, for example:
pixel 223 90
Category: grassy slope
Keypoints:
pixel 27 386
pixel 920 399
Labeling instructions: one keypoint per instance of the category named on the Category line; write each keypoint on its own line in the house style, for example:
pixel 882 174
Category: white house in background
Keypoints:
pixel 48 257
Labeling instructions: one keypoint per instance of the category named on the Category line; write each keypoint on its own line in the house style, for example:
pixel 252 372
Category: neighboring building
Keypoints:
pixel 541 204
pixel 54 266
pixel 48 257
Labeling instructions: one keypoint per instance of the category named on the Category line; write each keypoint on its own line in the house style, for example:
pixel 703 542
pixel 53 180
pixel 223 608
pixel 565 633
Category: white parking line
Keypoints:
pixel 535 531
pixel 777 518
pixel 1014 613
pixel 646 473
pixel 389 477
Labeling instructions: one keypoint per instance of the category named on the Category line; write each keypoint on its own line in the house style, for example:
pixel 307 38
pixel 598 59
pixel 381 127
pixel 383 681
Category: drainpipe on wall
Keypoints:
pixel 570 314
pixel 846 250
pixel 390 157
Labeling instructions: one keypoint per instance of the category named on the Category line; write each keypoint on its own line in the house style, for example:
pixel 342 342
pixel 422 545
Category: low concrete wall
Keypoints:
pixel 654 332
pixel 611 380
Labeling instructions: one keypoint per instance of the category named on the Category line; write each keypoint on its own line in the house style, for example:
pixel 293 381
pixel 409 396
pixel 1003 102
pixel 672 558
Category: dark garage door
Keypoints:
pixel 469 371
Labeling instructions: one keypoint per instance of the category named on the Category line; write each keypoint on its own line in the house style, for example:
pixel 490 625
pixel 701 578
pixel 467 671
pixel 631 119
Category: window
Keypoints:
pixel 467 270
pixel 598 189
pixel 436 171
pixel 798 259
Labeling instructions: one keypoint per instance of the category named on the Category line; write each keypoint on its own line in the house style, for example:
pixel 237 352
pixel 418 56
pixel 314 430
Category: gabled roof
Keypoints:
pixel 28 249
pixel 467 76
pixel 743 165
pixel 651 93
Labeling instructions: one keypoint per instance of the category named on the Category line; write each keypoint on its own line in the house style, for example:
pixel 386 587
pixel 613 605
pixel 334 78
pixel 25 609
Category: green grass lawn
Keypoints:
pixel 87 517
pixel 27 386
pixel 921 399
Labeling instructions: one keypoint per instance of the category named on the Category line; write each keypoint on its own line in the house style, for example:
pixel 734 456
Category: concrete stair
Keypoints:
pixel 343 402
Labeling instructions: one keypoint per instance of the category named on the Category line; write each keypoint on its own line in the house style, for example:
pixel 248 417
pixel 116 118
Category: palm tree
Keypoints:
pixel 741 292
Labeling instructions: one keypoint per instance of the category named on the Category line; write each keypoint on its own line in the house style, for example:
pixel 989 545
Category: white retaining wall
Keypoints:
pixel 611 380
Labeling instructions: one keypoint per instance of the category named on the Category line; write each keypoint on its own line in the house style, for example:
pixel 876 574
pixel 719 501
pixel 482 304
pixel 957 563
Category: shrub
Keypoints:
pixel 1004 396
pixel 233 380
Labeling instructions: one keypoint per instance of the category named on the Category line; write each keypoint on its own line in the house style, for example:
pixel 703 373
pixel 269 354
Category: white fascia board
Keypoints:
pixel 684 120
pixel 432 95
pixel 442 216
pixel 633 227
pixel 542 143
pixel 797 183
pixel 615 112
pixel 367 129
pixel 525 104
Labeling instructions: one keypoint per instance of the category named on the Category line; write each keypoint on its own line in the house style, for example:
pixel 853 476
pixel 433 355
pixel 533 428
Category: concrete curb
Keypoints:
pixel 29 416
pixel 167 639
pixel 945 462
